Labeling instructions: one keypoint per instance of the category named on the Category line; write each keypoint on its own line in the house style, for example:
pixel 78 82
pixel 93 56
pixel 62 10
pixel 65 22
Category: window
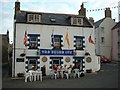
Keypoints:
pixel 34 18
pixel 33 42
pixel 78 43
pixel 102 40
pixel 102 29
pixel 32 64
pixel 77 21
pixel 56 42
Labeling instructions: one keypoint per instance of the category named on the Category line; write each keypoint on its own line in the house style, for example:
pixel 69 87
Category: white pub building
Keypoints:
pixel 44 39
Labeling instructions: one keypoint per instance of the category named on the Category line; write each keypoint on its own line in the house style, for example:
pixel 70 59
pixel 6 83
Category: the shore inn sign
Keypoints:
pixel 45 39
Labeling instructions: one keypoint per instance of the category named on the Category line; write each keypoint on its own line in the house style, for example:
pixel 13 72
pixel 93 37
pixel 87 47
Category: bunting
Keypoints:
pixel 100 9
pixel 67 39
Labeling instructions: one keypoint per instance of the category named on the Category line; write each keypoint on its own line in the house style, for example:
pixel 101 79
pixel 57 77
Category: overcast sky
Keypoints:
pixel 53 6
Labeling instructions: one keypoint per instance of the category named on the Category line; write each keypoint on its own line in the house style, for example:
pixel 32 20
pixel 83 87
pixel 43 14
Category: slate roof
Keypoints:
pixel 116 26
pixel 97 24
pixel 60 19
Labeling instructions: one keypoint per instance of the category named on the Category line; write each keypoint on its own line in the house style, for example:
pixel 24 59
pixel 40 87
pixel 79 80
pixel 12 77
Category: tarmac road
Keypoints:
pixel 107 77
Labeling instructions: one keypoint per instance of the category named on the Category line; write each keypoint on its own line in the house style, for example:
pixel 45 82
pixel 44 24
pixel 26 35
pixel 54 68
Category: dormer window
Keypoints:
pixel 76 21
pixel 34 18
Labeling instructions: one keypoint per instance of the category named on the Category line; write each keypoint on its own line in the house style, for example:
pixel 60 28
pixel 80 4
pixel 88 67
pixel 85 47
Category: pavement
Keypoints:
pixel 107 77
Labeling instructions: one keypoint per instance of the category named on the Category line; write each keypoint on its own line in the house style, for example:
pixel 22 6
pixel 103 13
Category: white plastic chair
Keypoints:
pixel 76 73
pixel 28 76
pixel 39 75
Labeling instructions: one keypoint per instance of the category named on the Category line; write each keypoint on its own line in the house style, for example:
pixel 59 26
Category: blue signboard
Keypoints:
pixel 56 52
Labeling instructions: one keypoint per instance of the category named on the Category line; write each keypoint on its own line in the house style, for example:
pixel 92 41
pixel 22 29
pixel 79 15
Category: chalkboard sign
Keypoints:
pixel 20 59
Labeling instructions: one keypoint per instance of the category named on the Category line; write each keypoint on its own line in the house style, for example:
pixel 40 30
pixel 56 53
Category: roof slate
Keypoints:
pixel 97 24
pixel 60 19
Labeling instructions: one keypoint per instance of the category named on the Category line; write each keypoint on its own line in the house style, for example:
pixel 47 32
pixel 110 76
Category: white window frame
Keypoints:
pixel 34 18
pixel 76 21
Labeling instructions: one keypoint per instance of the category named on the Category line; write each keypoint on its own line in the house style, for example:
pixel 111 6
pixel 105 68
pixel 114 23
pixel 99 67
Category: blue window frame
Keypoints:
pixel 34 41
pixel 57 41
pixel 79 42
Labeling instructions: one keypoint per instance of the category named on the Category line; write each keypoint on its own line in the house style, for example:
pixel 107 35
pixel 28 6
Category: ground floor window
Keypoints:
pixel 32 64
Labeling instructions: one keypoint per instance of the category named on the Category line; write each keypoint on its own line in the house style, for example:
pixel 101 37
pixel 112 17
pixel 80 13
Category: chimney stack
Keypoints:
pixel 17 8
pixel 107 12
pixel 82 11
pixel 91 20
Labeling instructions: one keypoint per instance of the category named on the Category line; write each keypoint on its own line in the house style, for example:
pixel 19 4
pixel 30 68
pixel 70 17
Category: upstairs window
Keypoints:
pixel 76 21
pixel 79 43
pixel 56 42
pixel 34 18
pixel 33 41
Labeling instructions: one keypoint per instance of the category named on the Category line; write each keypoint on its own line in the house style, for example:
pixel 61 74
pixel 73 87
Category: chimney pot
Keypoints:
pixel 107 12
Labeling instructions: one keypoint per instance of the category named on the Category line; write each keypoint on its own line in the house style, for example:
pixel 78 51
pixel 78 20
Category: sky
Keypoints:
pixel 53 6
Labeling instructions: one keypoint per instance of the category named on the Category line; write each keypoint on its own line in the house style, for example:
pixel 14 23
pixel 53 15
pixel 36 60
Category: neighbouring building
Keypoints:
pixel 116 42
pixel 119 10
pixel 45 39
pixel 4 44
pixel 103 34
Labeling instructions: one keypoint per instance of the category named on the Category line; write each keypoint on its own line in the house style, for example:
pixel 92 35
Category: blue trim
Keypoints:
pixel 58 36
pixel 79 58
pixel 50 62
pixel 34 35
pixel 79 37
pixel 35 57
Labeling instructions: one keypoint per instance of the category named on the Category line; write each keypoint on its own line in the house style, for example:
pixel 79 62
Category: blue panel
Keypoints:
pixel 56 52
